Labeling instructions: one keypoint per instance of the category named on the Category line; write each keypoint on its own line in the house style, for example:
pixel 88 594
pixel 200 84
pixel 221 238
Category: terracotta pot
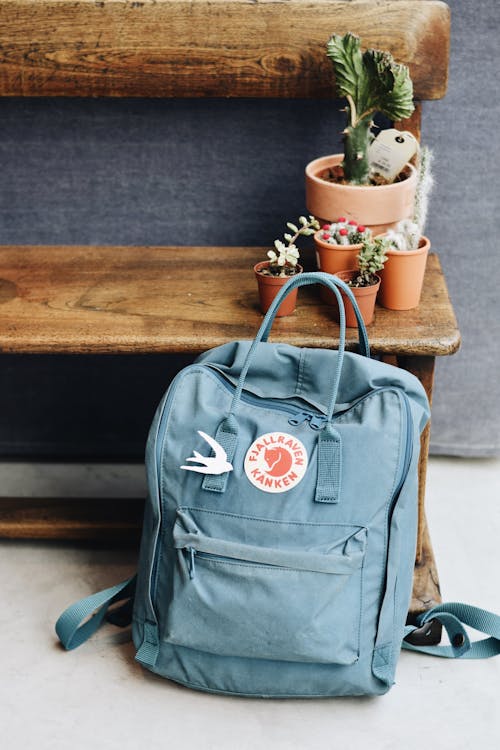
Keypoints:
pixel 332 258
pixel 269 287
pixel 403 277
pixel 379 207
pixel 365 297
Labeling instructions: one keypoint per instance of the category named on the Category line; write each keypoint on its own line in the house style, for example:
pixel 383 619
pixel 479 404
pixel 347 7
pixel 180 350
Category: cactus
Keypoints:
pixel 405 237
pixel 343 232
pixel 424 187
pixel 283 259
pixel 371 82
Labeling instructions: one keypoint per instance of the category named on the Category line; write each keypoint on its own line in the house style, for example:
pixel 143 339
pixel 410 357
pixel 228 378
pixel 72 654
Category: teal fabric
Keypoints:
pixel 302 592
pixel 297 586
pixel 454 615
pixel 73 628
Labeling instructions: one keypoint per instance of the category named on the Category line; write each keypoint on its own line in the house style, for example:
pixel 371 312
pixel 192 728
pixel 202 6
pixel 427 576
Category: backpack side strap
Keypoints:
pixel 69 629
pixel 454 616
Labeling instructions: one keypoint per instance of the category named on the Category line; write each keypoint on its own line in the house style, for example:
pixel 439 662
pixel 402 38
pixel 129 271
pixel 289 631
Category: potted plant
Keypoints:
pixel 338 244
pixel 343 184
pixel 282 264
pixel 364 281
pixel 403 274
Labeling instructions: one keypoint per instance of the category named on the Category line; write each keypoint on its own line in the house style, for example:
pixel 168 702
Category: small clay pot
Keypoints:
pixel 365 297
pixel 403 277
pixel 332 258
pixel 269 287
pixel 379 207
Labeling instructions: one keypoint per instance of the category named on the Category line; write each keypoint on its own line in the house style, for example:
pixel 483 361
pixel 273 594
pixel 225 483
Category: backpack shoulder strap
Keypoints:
pixel 69 628
pixel 454 616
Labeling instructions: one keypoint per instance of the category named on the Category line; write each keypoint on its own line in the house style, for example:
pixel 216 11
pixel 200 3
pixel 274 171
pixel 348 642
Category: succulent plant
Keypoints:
pixel 371 82
pixel 371 259
pixel 343 232
pixel 283 259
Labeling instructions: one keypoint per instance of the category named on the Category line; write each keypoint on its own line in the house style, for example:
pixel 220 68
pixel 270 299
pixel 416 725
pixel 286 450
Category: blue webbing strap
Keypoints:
pixel 454 616
pixel 69 629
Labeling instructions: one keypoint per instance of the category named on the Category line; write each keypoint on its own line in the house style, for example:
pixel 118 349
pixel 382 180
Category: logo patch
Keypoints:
pixel 276 462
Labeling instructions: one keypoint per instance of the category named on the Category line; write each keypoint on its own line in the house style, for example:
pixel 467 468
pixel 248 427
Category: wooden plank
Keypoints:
pixel 99 300
pixel 426 589
pixel 108 519
pixel 192 48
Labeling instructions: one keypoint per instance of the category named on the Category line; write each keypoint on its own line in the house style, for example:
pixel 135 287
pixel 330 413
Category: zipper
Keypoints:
pixel 192 553
pixel 298 416
pixel 406 427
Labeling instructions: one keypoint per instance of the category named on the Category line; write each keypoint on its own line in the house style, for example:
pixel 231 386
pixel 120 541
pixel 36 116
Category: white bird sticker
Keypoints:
pixel 217 464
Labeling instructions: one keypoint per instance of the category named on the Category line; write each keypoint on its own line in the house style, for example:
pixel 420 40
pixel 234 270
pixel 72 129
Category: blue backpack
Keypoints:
pixel 279 536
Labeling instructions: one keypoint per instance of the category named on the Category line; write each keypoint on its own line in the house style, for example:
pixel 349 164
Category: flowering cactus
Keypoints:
pixel 283 259
pixel 343 232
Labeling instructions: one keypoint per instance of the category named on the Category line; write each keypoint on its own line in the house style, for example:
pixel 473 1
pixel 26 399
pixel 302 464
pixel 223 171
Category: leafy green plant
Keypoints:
pixel 371 81
pixel 283 259
pixel 371 259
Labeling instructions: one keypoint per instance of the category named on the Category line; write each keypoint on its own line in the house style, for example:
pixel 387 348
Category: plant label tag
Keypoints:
pixel 390 151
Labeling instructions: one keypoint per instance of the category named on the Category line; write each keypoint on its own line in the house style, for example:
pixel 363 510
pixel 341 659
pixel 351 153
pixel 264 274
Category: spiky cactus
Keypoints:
pixel 371 82
pixel 405 236
pixel 424 187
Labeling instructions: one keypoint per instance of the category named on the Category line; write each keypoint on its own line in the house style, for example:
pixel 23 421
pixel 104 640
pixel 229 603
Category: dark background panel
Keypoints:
pixel 230 172
pixel 81 407
pixel 163 172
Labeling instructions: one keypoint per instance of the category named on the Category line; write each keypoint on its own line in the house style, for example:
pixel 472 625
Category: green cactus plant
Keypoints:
pixel 371 81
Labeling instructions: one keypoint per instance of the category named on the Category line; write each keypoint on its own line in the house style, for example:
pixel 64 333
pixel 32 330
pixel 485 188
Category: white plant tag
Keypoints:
pixel 390 151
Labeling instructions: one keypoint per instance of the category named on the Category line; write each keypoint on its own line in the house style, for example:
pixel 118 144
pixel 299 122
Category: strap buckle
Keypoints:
pixel 428 634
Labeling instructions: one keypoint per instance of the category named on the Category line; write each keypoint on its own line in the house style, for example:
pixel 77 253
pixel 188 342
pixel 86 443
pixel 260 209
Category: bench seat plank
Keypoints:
pixel 200 48
pixel 100 300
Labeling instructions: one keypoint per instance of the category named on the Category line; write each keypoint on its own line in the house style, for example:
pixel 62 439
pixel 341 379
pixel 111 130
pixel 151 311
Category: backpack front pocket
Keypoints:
pixel 266 589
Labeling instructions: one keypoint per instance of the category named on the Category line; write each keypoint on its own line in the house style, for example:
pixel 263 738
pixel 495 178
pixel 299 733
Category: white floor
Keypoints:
pixel 98 697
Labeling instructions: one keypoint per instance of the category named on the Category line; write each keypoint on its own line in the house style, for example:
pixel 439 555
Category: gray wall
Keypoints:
pixel 231 172
pixel 464 227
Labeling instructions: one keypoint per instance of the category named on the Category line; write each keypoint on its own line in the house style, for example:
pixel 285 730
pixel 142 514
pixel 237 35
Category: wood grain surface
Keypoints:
pixel 426 589
pixel 100 300
pixel 90 519
pixel 192 48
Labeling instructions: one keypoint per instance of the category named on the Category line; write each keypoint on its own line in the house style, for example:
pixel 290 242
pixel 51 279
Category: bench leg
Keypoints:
pixel 426 591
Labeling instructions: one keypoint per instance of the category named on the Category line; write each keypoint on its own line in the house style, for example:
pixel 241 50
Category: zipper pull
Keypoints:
pixel 191 553
pixel 299 418
pixel 317 421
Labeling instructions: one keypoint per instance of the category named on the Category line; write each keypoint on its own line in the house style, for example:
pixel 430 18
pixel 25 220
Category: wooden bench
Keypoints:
pixel 131 300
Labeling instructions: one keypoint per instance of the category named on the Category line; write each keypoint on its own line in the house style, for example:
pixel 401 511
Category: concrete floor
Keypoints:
pixel 98 697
